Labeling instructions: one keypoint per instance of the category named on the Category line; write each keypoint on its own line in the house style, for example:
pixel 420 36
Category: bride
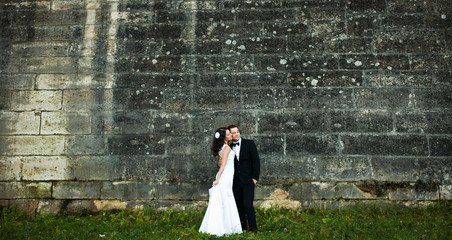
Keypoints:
pixel 221 216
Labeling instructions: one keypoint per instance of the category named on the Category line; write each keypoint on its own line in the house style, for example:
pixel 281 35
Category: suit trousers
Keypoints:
pixel 244 196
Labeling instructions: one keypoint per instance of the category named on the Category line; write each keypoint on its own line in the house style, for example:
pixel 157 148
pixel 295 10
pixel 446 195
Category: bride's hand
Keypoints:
pixel 215 183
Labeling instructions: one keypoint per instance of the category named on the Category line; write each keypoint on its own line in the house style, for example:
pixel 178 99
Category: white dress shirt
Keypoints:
pixel 236 149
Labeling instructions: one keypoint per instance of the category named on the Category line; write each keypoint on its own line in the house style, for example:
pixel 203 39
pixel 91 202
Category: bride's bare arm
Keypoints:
pixel 224 160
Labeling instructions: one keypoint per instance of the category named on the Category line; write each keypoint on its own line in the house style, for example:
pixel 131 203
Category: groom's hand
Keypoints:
pixel 255 181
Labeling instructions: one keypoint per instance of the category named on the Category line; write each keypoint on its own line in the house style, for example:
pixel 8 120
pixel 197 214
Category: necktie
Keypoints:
pixel 235 144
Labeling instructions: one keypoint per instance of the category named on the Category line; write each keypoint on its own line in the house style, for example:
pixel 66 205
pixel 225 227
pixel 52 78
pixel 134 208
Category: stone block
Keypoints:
pixel 150 168
pixel 284 29
pixel 75 206
pixel 317 10
pixel 366 6
pixel 305 44
pixel 394 169
pixel 445 192
pixel 36 100
pixel 186 145
pixel 179 191
pixel 312 191
pixel 429 62
pixel 297 63
pixel 146 81
pixel 435 170
pixel 49 206
pixel 277 169
pixel 292 99
pixel 409 6
pixel 400 145
pixel 315 78
pixel 55 33
pixel 28 206
pixel 46 168
pixel 435 122
pixel 243 79
pixel 66 123
pixel 214 16
pixel 438 21
pixel 259 99
pixel 137 145
pixel 76 190
pixel 403 21
pixel 408 41
pixel 253 46
pixel 266 15
pixel 382 98
pixel 343 169
pixel 74 17
pixel 138 99
pixel 177 100
pixel 170 123
pixel 149 65
pixel 65 81
pixel 86 145
pixel 374 62
pixel 223 63
pixel 49 65
pixel 434 98
pixel 88 100
pixel 17 81
pixel 260 5
pixel 213 99
pixel 171 16
pixel 32 145
pixel 19 123
pixel 350 191
pixel 361 121
pixel 441 146
pixel 5 99
pixel 293 122
pixel 269 144
pixel 151 31
pixel 10 168
pixel 224 31
pixel 321 98
pixel 15 190
pixel 125 122
pixel 130 47
pixel 42 49
pixel 68 5
pixel 95 168
pixel 311 144
pixel 349 45
pixel 412 194
pixel 396 78
pixel 128 190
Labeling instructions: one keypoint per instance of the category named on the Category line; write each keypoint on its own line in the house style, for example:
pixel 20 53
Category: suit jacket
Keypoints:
pixel 248 165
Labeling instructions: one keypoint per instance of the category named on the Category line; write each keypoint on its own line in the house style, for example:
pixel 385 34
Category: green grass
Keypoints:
pixel 357 222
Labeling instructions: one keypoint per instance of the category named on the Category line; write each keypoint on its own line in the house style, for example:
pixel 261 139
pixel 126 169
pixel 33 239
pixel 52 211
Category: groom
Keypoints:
pixel 246 175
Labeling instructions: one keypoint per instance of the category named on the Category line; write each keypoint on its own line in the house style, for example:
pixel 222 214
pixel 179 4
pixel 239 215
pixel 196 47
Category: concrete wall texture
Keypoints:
pixel 112 103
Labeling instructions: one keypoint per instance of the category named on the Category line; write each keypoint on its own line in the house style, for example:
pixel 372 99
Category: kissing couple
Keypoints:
pixel 230 208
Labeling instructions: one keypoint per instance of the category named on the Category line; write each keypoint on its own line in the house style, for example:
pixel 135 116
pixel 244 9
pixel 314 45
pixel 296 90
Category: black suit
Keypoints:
pixel 246 167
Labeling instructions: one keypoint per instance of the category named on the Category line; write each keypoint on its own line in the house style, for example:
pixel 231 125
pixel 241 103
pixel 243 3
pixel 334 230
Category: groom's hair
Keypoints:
pixel 231 127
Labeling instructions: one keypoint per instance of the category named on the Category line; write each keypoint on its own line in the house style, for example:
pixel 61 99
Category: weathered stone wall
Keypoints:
pixel 112 103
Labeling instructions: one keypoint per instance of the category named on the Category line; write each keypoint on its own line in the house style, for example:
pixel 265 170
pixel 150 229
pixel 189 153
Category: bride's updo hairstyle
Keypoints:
pixel 218 140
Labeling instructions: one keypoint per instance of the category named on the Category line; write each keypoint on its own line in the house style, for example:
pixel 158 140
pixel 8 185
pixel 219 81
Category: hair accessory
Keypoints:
pixel 217 135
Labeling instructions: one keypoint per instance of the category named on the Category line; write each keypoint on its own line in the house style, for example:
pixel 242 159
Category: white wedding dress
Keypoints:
pixel 221 215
